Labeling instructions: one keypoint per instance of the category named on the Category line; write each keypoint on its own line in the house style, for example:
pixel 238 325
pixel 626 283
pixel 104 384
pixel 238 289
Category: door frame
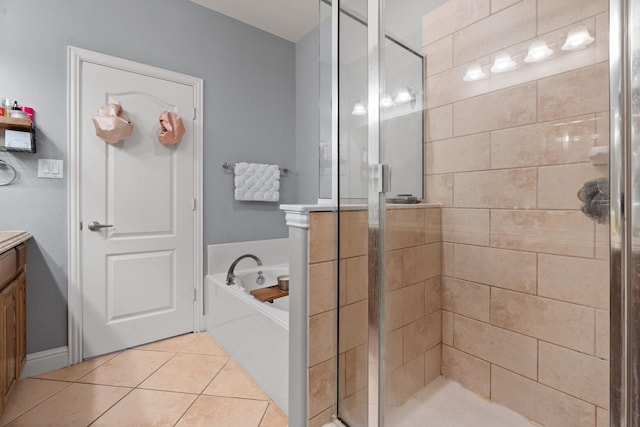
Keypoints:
pixel 76 57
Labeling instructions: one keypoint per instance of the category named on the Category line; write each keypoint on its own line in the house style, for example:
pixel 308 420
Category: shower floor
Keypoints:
pixel 444 403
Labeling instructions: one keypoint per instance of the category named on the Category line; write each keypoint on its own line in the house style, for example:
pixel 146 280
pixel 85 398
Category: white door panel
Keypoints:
pixel 137 276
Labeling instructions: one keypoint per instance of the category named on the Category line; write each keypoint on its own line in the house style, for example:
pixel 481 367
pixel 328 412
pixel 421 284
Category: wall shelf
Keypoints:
pixel 20 125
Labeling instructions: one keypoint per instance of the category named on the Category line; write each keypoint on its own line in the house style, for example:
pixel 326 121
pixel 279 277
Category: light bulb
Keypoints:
pixel 359 110
pixel 386 102
pixel 538 51
pixel 404 96
pixel 474 72
pixel 578 38
pixel 503 63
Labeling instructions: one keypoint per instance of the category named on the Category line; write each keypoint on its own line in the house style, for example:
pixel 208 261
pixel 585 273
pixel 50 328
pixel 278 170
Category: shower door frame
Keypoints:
pixel 625 282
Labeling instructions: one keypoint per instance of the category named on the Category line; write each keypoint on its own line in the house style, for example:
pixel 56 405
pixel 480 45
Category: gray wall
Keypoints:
pixel 307 117
pixel 249 113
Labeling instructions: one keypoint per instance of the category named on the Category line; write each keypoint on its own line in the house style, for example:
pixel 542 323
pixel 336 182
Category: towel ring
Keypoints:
pixel 4 164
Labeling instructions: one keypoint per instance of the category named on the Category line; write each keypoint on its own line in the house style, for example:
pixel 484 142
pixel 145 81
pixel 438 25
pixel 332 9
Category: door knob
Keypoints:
pixel 95 226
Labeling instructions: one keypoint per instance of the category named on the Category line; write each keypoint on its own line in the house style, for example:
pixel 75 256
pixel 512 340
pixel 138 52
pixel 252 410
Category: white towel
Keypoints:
pixel 257 182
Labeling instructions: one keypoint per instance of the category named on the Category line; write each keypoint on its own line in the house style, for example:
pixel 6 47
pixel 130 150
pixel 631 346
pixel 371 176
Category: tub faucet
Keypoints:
pixel 231 278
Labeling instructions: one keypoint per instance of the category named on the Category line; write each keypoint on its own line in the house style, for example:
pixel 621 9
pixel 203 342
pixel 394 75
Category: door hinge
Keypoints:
pixel 195 204
pixel 194 113
pixel 194 294
pixel 80 225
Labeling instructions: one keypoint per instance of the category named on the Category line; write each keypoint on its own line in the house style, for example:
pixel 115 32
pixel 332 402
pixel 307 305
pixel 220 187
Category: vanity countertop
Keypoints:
pixel 10 239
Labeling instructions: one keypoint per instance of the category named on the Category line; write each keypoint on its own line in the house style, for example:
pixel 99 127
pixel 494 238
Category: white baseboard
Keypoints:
pixel 45 361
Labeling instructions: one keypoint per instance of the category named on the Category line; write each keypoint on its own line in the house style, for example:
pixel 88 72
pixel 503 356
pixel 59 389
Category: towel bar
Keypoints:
pixel 231 166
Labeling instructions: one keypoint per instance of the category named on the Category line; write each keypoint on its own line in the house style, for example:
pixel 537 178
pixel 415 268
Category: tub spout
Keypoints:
pixel 231 278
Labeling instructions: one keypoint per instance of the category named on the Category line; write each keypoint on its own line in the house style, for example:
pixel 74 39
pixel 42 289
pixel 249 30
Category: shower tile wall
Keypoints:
pixel 413 312
pixel 525 291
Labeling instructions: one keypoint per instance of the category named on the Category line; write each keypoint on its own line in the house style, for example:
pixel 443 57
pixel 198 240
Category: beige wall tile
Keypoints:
pixel 539 403
pixel 403 306
pixel 404 228
pixel 323 244
pixel 439 89
pixel 466 298
pixel 323 287
pixel 504 28
pixel 404 382
pixel 447 259
pixel 322 418
pixel 509 188
pixel 471 372
pixel 418 337
pixel 553 14
pixel 439 123
pixel 497 110
pixel 322 337
pixel 558 142
pixel 421 262
pixel 558 185
pixel 564 95
pixel 497 5
pixel 602 37
pixel 393 350
pixel 507 269
pixel 602 127
pixel 447 328
pixel 341 375
pixel 433 225
pixel 357 273
pixel 467 153
pixel 432 364
pixel 577 374
pixel 554 232
pixel 354 231
pixel 354 407
pixel 603 331
pixel 554 321
pixel 393 270
pixel 602 241
pixel 432 295
pixel 355 369
pixel 322 387
pixel 602 417
pixel 578 280
pixel 513 351
pixel 353 326
pixel 439 189
pixel 452 16
pixel 469 226
pixel 439 55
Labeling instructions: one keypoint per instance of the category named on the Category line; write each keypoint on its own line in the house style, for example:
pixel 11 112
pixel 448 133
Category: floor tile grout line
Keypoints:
pixel 40 403
pixel 110 407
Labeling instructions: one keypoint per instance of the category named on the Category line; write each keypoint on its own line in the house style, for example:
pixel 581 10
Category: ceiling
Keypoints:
pixel 289 19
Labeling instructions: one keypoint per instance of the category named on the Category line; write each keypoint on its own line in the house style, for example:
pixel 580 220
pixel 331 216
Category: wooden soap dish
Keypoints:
pixel 269 294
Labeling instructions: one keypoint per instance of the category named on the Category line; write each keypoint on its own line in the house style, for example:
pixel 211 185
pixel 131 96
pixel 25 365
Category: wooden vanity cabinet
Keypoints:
pixel 12 320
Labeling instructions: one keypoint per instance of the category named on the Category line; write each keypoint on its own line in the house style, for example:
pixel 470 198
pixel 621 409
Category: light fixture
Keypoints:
pixel 404 96
pixel 386 102
pixel 538 51
pixel 578 38
pixel 503 63
pixel 474 72
pixel 359 109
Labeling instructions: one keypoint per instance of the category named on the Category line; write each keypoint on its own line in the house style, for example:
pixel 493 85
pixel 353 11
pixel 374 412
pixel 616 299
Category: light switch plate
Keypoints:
pixel 48 168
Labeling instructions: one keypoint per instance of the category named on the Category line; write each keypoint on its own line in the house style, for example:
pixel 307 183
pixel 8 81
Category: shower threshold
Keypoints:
pixel 445 403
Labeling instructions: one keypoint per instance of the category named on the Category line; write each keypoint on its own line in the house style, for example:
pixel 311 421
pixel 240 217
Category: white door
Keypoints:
pixel 138 276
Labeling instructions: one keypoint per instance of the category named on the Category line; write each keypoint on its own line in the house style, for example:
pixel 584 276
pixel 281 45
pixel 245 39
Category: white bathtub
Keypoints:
pixel 254 333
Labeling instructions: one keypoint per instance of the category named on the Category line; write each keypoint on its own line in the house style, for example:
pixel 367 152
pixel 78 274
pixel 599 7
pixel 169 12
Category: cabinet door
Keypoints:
pixel 21 325
pixel 9 344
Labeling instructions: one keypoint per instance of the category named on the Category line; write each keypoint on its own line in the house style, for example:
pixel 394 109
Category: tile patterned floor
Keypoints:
pixel 183 381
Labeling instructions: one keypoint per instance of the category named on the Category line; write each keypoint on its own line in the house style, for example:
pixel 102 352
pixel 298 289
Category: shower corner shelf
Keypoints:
pixel 22 125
